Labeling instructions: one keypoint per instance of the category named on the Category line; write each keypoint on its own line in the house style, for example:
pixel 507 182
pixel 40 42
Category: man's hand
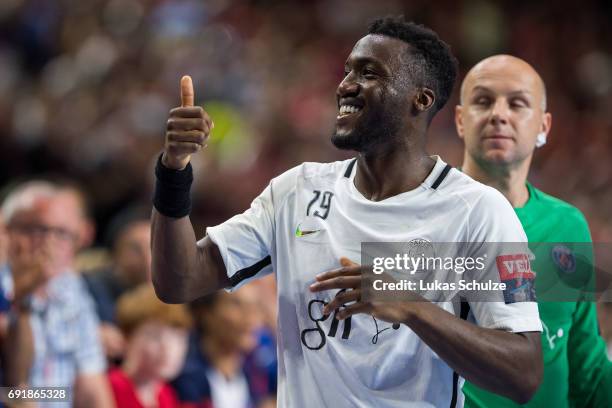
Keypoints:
pixel 509 364
pixel 29 270
pixel 349 277
pixel 113 341
pixel 187 129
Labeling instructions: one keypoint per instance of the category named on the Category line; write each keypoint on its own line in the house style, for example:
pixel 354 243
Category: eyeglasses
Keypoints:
pixel 43 231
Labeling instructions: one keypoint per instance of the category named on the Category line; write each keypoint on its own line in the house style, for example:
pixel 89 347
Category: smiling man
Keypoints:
pixel 335 348
pixel 502 119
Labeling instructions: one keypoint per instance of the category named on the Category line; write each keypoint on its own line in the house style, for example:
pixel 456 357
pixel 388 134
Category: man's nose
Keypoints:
pixel 348 86
pixel 499 114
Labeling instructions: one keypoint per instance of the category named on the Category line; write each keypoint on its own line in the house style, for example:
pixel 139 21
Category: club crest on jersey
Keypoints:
pixel 564 258
pixel 420 248
pixel 515 271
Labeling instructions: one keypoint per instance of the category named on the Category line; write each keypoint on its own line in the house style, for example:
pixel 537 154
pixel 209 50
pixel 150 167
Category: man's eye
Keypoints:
pixel 518 103
pixel 369 73
pixel 482 101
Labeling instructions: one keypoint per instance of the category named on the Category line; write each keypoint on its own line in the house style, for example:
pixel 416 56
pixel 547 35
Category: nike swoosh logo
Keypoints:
pixel 300 233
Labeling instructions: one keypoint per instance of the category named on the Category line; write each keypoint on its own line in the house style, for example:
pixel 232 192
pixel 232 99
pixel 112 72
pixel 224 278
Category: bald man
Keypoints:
pixel 502 118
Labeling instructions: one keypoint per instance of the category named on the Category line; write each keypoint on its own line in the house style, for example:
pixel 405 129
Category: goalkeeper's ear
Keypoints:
pixel 459 120
pixel 542 136
pixel 546 123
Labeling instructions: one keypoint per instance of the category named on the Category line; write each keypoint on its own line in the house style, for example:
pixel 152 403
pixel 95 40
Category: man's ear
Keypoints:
pixel 424 99
pixel 546 123
pixel 87 233
pixel 459 120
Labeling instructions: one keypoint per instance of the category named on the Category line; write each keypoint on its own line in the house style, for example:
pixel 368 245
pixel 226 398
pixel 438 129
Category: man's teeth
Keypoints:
pixel 346 109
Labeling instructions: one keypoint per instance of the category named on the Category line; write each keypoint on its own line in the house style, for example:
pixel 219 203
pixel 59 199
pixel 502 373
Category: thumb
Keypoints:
pixel 346 262
pixel 186 91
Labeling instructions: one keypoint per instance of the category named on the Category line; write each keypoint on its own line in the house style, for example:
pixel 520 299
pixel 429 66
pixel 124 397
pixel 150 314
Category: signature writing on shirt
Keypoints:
pixel 315 338
pixel 552 337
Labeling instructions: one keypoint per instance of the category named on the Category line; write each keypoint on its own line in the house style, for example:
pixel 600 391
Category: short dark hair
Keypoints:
pixel 432 64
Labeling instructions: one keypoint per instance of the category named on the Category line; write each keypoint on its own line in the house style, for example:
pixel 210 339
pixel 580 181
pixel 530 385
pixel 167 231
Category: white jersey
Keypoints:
pixel 310 217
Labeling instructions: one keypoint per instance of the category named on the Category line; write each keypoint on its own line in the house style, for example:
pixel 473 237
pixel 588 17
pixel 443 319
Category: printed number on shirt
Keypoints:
pixel 323 201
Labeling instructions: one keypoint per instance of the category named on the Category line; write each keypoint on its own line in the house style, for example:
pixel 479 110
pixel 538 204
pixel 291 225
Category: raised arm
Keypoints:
pixel 29 273
pixel 182 270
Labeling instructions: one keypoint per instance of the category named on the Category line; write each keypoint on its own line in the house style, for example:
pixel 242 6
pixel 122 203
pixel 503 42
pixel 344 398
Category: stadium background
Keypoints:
pixel 86 85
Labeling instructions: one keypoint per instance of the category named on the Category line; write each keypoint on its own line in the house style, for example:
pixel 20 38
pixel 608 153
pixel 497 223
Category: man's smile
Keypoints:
pixel 348 110
pixel 348 107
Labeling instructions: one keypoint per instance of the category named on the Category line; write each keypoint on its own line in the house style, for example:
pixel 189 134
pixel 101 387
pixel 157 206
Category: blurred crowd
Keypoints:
pixel 103 332
pixel 85 88
pixel 87 84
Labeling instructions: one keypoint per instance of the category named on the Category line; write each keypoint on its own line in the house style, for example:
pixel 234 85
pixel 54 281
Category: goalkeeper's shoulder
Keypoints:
pixel 563 212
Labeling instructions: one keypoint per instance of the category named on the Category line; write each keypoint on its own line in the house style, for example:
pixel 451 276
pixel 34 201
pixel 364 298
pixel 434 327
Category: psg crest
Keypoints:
pixel 564 258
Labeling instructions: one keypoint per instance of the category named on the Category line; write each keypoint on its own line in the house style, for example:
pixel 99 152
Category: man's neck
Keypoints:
pixel 508 180
pixel 392 171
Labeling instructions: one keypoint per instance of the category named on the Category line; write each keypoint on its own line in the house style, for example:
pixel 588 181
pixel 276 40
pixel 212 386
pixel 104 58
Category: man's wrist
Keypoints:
pixel 22 304
pixel 172 164
pixel 19 313
pixel 411 311
pixel 172 196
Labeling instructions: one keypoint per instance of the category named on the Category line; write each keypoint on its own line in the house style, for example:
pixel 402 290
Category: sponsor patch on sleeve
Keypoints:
pixel 515 271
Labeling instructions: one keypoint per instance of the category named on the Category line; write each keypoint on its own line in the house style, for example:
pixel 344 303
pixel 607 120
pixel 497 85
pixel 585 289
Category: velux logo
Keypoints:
pixel 514 266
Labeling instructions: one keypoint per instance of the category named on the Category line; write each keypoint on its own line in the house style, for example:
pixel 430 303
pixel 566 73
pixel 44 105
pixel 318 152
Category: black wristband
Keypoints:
pixel 172 196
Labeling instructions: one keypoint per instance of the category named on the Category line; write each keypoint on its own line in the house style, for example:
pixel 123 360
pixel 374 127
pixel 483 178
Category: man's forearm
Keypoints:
pixel 181 270
pixel 508 364
pixel 19 349
pixel 174 256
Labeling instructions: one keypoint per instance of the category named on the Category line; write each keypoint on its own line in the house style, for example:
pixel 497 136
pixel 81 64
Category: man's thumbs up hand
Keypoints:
pixel 187 129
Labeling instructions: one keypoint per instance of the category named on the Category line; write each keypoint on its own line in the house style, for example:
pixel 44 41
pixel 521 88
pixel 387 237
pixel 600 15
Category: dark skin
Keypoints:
pixel 373 75
pixel 502 362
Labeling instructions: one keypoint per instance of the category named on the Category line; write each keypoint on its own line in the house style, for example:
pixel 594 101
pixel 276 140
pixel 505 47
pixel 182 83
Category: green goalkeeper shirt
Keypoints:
pixel 577 372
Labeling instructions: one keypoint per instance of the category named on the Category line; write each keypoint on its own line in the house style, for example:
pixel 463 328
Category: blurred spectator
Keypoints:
pixel 219 371
pixel 605 321
pixel 156 344
pixel 3 242
pixel 86 86
pixel 266 287
pixel 5 303
pixel 53 330
pixel 74 195
pixel 4 271
pixel 129 237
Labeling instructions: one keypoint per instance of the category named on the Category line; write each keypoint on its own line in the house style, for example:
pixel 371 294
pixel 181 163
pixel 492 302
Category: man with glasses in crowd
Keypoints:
pixel 52 338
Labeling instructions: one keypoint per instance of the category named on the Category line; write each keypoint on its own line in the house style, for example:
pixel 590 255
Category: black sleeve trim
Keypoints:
pixel 249 272
pixel 463 314
pixel 442 176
